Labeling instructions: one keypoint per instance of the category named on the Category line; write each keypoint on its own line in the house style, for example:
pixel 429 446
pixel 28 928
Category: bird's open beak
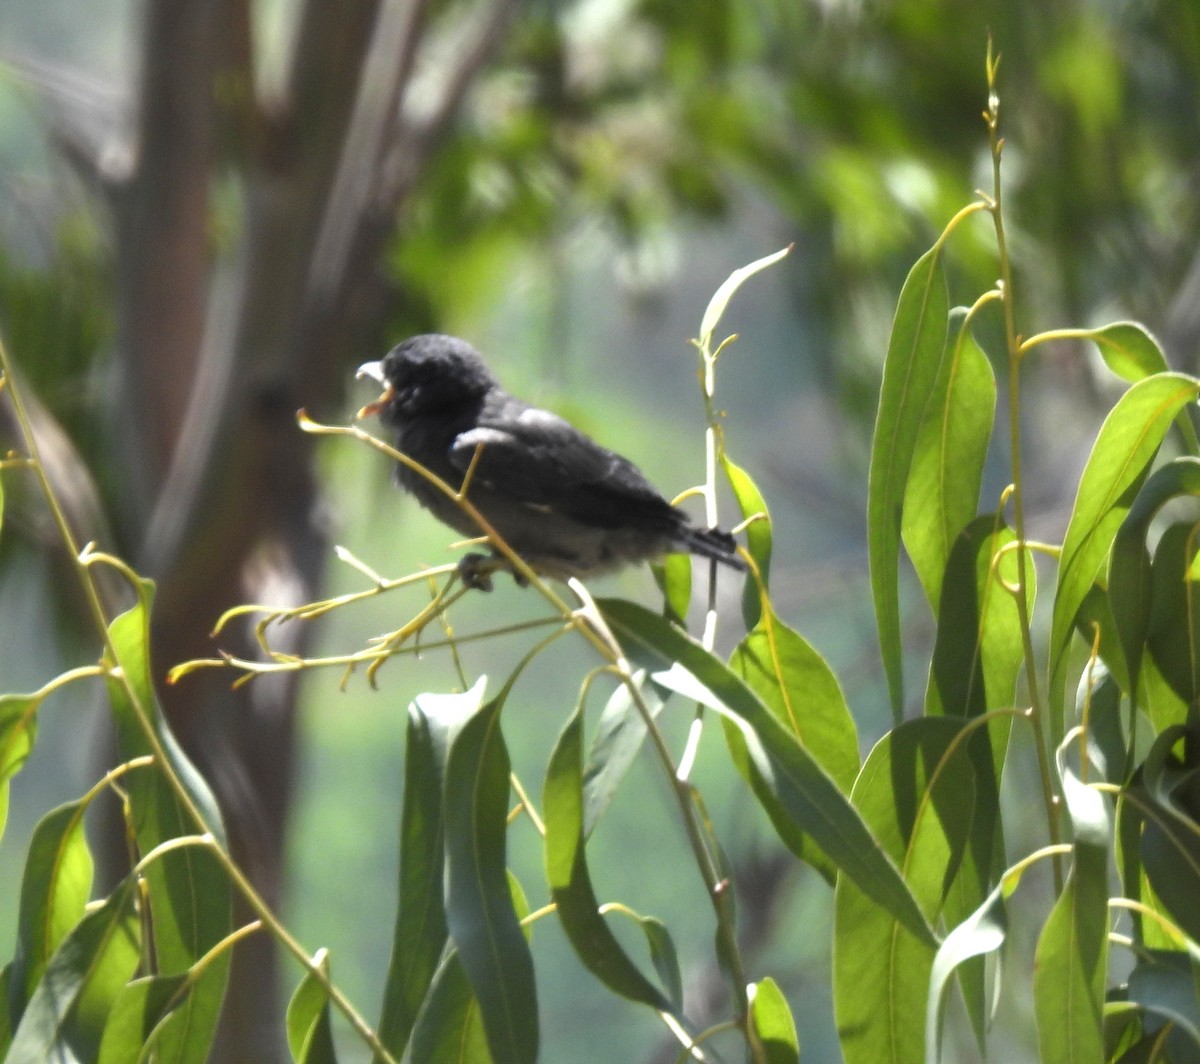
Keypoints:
pixel 374 370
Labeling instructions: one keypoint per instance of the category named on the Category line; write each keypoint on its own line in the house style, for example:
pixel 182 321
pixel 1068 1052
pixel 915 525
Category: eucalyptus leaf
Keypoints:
pixel 480 916
pixel 1071 961
pixel 910 377
pixel 569 879
pixel 67 1013
pixel 942 493
pixel 1115 471
pixel 796 782
pixel 720 300
pixel 309 1035
pixel 190 900
pixel 55 888
pixel 420 935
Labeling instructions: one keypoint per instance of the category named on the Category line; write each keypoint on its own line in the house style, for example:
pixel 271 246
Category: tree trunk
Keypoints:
pixel 217 347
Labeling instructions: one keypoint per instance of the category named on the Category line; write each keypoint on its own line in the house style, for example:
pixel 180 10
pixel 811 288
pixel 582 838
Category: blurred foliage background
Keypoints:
pixel 565 183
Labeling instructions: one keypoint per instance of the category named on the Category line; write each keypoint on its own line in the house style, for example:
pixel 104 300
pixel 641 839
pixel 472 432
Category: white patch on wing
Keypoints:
pixel 536 418
pixel 476 436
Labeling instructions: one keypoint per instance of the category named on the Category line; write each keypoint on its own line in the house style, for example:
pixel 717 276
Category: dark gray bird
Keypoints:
pixel 566 505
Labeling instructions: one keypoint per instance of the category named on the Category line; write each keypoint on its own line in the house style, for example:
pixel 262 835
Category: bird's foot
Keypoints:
pixel 476 571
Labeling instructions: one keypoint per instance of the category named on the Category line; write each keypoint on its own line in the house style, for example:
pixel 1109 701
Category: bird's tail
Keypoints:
pixel 716 544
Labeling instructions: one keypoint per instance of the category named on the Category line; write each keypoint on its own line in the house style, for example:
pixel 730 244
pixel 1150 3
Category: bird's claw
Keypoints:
pixel 476 571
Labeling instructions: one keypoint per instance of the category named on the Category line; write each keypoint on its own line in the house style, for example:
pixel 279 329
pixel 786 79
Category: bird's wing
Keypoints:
pixel 531 456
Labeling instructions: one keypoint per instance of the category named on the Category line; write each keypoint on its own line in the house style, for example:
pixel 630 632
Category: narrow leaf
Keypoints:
pixel 6 1021
pixel 18 730
pixel 910 375
pixel 720 300
pixel 1129 569
pixel 309 1035
pixel 420 935
pixel 759 537
pixel 55 888
pixel 674 578
pixel 65 1018
pixel 142 1012
pixel 665 959
pixel 1120 459
pixel 1129 350
pixel 620 733
pixel 981 933
pixel 1072 952
pixel 448 1028
pixel 190 903
pixel 942 495
pixel 1173 640
pixel 800 688
pixel 479 908
pixel 1163 983
pixel 916 795
pixel 979 649
pixel 796 781
pixel 570 882
pixel 1170 841
pixel 773 1023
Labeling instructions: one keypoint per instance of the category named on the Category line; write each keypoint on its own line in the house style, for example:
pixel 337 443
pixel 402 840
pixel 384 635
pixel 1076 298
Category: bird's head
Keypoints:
pixel 427 375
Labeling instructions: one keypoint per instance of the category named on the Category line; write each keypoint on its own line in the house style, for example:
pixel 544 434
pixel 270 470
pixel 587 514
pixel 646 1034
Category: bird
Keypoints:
pixel 566 505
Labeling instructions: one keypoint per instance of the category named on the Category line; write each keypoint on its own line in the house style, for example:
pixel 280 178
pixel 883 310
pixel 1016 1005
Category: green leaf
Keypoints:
pixel 1095 616
pixel 55 888
pixel 978 650
pixel 570 882
pixel 309 1035
pixel 797 685
pixel 1129 350
pixel 720 300
pixel 620 734
pixel 1174 637
pixel 190 904
pixel 6 1021
pixel 916 793
pixel 773 1023
pixel 796 782
pixel 448 1029
pixel 66 1015
pixel 759 536
pixel 910 377
pixel 1120 459
pixel 1072 952
pixel 674 578
pixel 479 907
pixel 1102 696
pixel 141 1013
pixel 665 958
pixel 1170 840
pixel 1130 569
pixel 1164 983
pixel 984 931
pixel 18 731
pixel 942 494
pixel 420 934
